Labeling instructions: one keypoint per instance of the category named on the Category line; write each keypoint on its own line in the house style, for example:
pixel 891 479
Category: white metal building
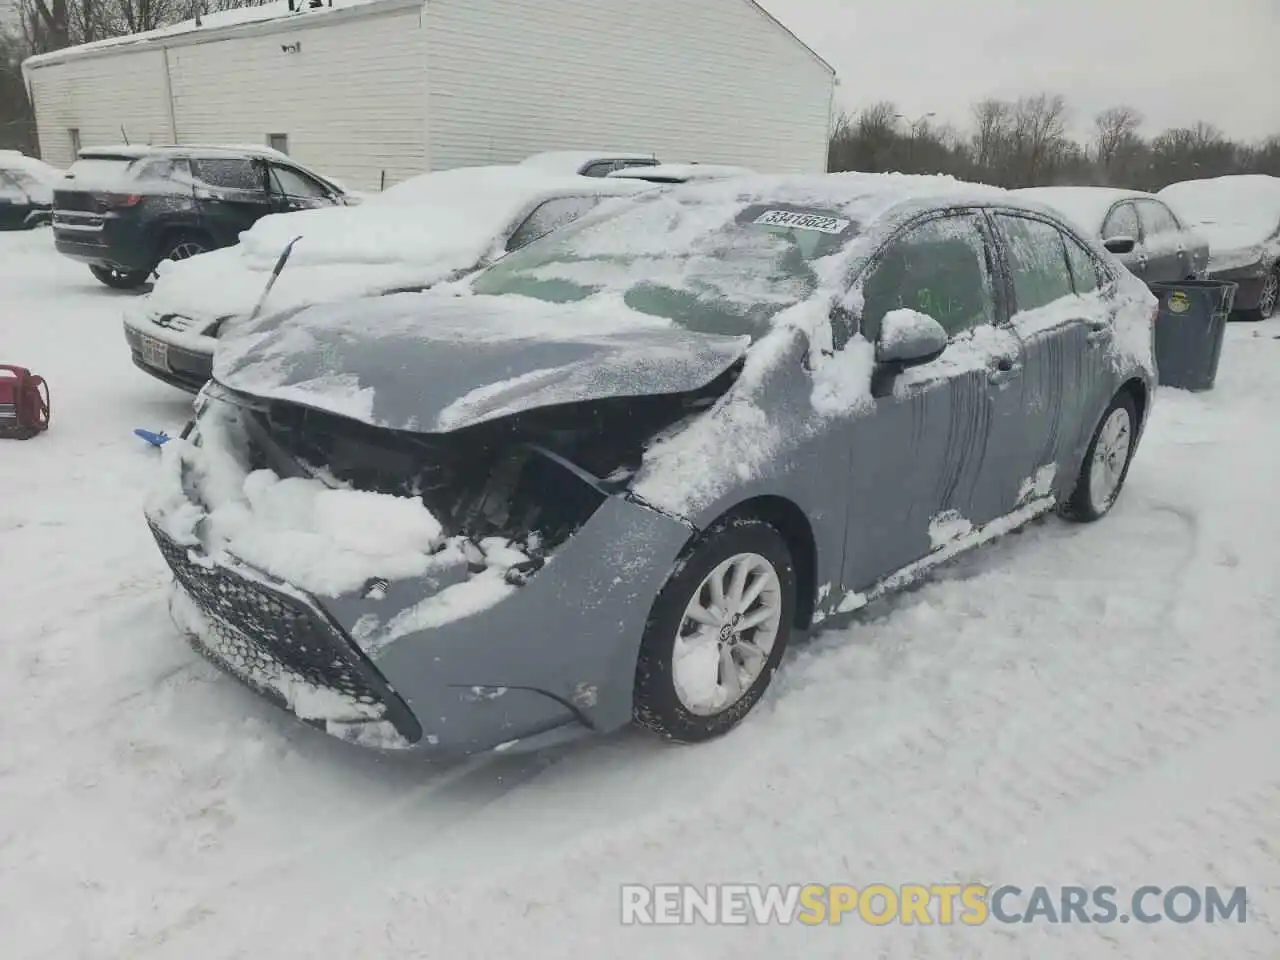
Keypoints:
pixel 367 88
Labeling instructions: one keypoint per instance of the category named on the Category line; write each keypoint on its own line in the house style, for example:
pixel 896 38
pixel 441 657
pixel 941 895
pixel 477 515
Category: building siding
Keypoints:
pixel 352 99
pixel 107 99
pixel 714 81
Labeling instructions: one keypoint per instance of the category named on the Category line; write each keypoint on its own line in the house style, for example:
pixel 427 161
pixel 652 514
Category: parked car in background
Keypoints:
pixel 614 479
pixel 681 172
pixel 431 228
pixel 1150 239
pixel 1240 216
pixel 26 190
pixel 586 163
pixel 124 210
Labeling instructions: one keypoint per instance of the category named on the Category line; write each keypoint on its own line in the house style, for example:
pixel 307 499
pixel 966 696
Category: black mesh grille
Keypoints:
pixel 258 631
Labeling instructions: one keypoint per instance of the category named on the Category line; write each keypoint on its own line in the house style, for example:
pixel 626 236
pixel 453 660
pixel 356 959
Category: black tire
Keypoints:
pixel 119 279
pixel 1266 310
pixel 1081 508
pixel 183 246
pixel 657 703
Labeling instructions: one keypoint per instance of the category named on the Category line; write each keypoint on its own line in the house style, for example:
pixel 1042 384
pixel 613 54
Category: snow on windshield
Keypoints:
pixel 710 267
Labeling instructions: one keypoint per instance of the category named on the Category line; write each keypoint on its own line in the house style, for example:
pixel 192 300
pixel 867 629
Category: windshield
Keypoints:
pixel 705 264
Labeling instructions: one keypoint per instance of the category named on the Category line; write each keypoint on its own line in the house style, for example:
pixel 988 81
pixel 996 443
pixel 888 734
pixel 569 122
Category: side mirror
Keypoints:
pixel 1120 245
pixel 909 338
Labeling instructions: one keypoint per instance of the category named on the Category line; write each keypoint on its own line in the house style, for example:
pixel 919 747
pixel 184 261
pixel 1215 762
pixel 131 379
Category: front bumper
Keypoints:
pixel 552 660
pixel 20 216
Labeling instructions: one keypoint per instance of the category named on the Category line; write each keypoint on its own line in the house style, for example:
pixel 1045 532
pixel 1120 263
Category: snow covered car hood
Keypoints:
pixel 426 230
pixel 434 363
pixel 1238 215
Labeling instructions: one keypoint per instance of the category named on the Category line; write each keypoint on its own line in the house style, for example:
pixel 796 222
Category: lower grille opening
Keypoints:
pixel 264 636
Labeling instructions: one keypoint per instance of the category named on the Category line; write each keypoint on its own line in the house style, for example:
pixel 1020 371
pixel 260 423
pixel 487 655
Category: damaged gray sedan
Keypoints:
pixel 617 475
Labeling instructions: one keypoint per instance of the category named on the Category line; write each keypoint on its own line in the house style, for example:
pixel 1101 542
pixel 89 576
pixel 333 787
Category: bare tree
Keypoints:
pixel 1038 137
pixel 992 123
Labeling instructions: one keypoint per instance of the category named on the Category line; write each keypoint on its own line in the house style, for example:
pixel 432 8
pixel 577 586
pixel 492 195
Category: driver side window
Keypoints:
pixel 938 268
pixel 1122 222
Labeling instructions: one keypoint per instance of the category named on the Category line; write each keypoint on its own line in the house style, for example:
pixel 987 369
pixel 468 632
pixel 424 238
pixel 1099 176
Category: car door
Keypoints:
pixel 231 195
pixel 1122 221
pixel 1162 243
pixel 291 189
pixel 917 458
pixel 1063 332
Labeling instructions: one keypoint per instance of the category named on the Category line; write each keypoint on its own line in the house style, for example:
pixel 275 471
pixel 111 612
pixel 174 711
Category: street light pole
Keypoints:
pixel 915 126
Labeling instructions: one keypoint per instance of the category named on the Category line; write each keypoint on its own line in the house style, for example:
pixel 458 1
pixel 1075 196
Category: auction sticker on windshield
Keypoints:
pixel 803 221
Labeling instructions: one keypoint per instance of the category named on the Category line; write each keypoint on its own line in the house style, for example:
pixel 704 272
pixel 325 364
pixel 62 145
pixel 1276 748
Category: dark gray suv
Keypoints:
pixel 122 210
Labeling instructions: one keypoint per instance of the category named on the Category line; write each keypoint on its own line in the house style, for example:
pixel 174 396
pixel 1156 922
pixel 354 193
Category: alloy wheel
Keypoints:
pixel 727 634
pixel 1110 454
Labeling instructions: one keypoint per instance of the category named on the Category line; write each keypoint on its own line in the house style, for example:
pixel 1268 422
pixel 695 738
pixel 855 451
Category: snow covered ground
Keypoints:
pixel 1074 705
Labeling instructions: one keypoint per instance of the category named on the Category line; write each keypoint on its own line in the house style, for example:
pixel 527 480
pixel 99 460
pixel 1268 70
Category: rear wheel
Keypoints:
pixel 119 279
pixel 717 633
pixel 1269 296
pixel 182 246
pixel 1106 462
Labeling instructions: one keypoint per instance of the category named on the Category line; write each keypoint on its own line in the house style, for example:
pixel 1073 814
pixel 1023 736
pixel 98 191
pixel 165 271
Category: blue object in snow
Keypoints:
pixel 155 439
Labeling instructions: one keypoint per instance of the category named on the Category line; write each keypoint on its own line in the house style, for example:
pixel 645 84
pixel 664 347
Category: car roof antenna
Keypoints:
pixel 271 282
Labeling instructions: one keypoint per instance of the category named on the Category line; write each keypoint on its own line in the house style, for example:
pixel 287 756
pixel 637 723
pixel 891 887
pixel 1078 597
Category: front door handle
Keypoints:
pixel 1005 369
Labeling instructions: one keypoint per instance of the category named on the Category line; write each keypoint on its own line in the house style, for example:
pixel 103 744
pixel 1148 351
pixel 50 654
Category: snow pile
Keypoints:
pixel 327 540
pixel 1240 216
pixel 420 232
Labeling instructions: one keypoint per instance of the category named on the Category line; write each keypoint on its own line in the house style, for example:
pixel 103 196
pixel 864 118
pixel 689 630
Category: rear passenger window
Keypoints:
pixel 1084 269
pixel 549 217
pixel 938 268
pixel 1037 261
pixel 230 174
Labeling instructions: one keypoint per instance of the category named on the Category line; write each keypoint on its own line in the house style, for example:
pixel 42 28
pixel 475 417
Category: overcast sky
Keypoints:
pixel 1177 61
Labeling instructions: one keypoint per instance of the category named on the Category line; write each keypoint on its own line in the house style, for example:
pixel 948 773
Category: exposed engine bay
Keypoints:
pixel 532 478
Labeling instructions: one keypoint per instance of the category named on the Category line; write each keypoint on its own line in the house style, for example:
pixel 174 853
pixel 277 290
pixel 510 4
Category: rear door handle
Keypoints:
pixel 1005 369
pixel 1099 333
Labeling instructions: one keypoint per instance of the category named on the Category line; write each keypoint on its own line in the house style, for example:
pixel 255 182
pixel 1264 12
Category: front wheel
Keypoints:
pixel 119 279
pixel 1106 462
pixel 716 633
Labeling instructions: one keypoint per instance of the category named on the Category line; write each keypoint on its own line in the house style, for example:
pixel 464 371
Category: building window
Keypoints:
pixel 278 141
pixel 74 133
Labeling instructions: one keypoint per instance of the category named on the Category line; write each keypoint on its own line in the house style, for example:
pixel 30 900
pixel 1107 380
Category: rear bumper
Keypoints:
pixel 183 368
pixel 1248 282
pixel 116 244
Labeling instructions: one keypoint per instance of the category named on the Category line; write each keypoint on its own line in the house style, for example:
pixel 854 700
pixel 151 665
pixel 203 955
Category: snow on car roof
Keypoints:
pixel 1085 205
pixel 571 161
pixel 1232 212
pixel 138 151
pixel 15 160
pixel 681 172
pixel 419 232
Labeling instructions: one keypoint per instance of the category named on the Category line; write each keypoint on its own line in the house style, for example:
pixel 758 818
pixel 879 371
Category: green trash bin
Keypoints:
pixel 1189 331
